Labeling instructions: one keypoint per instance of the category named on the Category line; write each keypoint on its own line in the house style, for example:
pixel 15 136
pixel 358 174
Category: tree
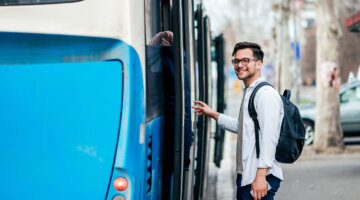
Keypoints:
pixel 328 131
pixel 283 50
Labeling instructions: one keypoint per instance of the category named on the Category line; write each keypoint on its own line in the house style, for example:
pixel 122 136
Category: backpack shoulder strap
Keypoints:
pixel 253 115
pixel 251 108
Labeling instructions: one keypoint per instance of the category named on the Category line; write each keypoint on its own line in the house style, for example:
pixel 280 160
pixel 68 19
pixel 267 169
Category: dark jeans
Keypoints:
pixel 243 193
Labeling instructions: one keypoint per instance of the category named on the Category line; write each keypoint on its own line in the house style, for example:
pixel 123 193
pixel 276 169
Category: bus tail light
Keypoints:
pixel 120 184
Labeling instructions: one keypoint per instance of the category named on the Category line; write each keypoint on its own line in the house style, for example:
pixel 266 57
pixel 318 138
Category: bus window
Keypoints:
pixel 154 74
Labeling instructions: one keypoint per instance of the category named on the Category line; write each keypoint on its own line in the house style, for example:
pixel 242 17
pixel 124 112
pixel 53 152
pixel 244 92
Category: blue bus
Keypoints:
pixel 82 102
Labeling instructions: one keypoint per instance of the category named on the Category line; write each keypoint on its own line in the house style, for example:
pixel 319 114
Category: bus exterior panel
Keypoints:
pixel 65 99
pixel 59 124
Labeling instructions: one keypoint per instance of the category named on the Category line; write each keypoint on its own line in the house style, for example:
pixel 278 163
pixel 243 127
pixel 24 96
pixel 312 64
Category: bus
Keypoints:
pixel 82 106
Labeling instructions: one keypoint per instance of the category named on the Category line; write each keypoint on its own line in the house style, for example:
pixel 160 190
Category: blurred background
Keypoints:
pixel 285 28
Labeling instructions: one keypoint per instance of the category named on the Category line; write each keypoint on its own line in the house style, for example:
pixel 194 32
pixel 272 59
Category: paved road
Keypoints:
pixel 337 178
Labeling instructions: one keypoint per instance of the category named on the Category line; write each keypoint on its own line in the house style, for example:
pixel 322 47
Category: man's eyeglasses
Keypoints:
pixel 244 61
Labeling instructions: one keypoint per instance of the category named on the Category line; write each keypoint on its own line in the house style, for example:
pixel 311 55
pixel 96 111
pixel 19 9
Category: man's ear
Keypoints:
pixel 258 65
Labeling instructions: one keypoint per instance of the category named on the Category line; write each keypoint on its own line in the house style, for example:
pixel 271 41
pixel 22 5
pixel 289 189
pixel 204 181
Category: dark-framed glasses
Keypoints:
pixel 244 61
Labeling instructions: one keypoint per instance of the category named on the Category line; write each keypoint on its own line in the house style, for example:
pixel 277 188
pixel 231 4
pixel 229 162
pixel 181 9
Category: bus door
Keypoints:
pixel 204 87
pixel 219 134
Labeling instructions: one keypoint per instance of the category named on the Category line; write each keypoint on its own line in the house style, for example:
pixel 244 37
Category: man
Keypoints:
pixel 253 174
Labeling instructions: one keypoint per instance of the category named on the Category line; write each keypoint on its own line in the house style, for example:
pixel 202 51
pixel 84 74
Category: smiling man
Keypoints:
pixel 257 178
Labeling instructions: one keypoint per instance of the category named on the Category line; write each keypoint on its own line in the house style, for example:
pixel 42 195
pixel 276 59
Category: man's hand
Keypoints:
pixel 259 186
pixel 202 108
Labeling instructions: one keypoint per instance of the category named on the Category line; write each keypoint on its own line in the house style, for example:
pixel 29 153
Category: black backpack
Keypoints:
pixel 292 133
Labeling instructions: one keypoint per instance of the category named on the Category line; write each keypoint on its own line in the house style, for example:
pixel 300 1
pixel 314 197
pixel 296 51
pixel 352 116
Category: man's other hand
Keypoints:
pixel 259 186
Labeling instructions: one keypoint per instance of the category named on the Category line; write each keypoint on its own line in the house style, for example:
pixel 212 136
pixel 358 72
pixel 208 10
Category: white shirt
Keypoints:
pixel 270 113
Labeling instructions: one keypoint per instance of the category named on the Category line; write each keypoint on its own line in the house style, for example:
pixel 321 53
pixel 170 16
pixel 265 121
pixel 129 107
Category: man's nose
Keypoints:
pixel 238 66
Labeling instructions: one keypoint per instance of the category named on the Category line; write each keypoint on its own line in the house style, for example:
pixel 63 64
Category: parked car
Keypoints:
pixel 349 112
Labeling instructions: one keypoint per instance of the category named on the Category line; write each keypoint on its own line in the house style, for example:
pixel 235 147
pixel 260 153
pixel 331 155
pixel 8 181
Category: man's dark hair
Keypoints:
pixel 256 49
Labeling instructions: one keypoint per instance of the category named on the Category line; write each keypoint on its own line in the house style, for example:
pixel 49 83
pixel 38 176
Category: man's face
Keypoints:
pixel 245 72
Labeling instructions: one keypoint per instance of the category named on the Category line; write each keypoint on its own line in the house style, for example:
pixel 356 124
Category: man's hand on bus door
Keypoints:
pixel 202 108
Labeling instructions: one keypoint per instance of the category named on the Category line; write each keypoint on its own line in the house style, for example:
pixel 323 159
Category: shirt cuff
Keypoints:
pixel 221 120
pixel 264 163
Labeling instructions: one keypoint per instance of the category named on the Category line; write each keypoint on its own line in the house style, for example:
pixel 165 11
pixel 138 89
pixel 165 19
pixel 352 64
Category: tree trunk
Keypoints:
pixel 284 74
pixel 328 131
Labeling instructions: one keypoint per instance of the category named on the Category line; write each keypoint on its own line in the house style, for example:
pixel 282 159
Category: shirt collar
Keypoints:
pixel 255 83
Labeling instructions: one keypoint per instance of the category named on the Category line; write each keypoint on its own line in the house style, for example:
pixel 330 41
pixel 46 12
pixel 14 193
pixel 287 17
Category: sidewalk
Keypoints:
pixel 225 185
pixel 350 152
pixel 221 182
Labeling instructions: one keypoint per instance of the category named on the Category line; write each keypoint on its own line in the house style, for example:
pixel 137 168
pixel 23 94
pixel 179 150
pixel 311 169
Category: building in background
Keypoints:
pixel 349 42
